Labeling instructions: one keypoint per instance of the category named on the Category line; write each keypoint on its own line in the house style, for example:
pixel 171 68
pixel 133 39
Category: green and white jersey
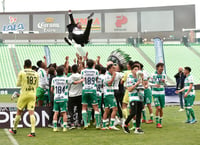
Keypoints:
pixel 43 80
pixel 90 77
pixel 156 79
pixel 60 85
pixel 189 80
pixel 100 84
pixel 108 90
pixel 135 95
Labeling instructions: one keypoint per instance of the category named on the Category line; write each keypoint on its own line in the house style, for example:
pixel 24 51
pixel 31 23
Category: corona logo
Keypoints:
pixel 121 20
pixel 49 20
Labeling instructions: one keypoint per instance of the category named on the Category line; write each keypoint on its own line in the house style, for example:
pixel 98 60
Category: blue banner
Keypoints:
pixel 47 54
pixel 159 51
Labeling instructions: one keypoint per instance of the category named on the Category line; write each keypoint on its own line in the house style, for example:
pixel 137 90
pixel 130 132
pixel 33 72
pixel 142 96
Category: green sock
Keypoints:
pixel 157 119
pixel 96 114
pixel 151 116
pixel 161 120
pixel 112 120
pixel 192 113
pixel 99 118
pixel 187 113
pixel 55 123
pixel 84 116
pixel 134 123
pixel 61 120
pixel 144 114
pixel 65 125
pixel 89 112
pixel 104 123
pixel 16 121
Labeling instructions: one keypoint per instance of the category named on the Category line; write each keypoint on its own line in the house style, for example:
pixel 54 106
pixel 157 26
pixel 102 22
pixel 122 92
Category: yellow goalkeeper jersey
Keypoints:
pixel 28 81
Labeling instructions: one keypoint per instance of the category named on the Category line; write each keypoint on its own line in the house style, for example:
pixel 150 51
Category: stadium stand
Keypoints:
pixel 7 75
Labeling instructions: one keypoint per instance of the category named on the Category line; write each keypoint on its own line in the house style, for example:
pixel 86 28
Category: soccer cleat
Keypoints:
pixel 104 128
pixel 85 127
pixel 67 41
pixel 12 131
pixel 55 129
pixel 113 128
pixel 126 130
pixel 31 135
pixel 139 131
pixel 72 126
pixel 143 121
pixel 64 129
pixel 132 128
pixel 149 121
pixel 187 121
pixel 50 126
pixel 193 121
pixel 181 110
pixel 98 127
pixel 159 125
pixel 90 16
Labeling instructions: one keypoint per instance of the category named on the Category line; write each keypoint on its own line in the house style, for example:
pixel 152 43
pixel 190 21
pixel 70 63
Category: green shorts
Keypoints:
pixel 189 101
pixel 147 96
pixel 40 94
pixel 60 106
pixel 109 101
pixel 159 100
pixel 89 97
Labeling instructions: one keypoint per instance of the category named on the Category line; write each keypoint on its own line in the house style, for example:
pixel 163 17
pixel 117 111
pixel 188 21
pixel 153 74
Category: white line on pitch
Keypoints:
pixel 12 139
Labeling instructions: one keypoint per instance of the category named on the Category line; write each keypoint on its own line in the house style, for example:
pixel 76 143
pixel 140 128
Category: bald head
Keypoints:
pixel 180 69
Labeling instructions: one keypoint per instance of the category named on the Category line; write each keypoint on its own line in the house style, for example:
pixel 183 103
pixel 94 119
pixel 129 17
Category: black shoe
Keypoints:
pixel 126 130
pixel 90 16
pixel 67 41
pixel 139 131
pixel 31 135
pixel 12 131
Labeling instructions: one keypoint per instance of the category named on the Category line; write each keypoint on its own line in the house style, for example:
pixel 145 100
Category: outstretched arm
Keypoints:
pixel 71 17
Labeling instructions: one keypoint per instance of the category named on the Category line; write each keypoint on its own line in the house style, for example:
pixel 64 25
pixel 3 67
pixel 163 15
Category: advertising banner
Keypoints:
pixel 82 18
pixel 49 23
pixel 14 23
pixel 121 22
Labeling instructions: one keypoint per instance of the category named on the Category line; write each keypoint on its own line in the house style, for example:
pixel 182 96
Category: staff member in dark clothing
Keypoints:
pixel 75 31
pixel 180 77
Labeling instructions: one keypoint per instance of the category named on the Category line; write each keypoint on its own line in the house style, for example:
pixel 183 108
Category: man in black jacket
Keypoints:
pixel 180 77
pixel 76 33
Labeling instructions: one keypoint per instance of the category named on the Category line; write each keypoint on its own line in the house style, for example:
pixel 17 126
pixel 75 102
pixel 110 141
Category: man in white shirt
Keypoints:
pixel 75 94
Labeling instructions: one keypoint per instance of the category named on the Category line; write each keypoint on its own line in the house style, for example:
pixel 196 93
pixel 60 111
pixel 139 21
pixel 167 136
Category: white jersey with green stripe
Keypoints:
pixel 108 90
pixel 90 77
pixel 100 84
pixel 157 79
pixel 134 95
pixel 43 80
pixel 189 80
pixel 60 85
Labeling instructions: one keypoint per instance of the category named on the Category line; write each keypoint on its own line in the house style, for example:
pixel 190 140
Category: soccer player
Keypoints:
pixel 76 33
pixel 147 96
pixel 28 81
pixel 100 89
pixel 126 97
pixel 136 98
pixel 59 88
pixel 189 96
pixel 109 98
pixel 158 80
pixel 90 76
pixel 43 82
